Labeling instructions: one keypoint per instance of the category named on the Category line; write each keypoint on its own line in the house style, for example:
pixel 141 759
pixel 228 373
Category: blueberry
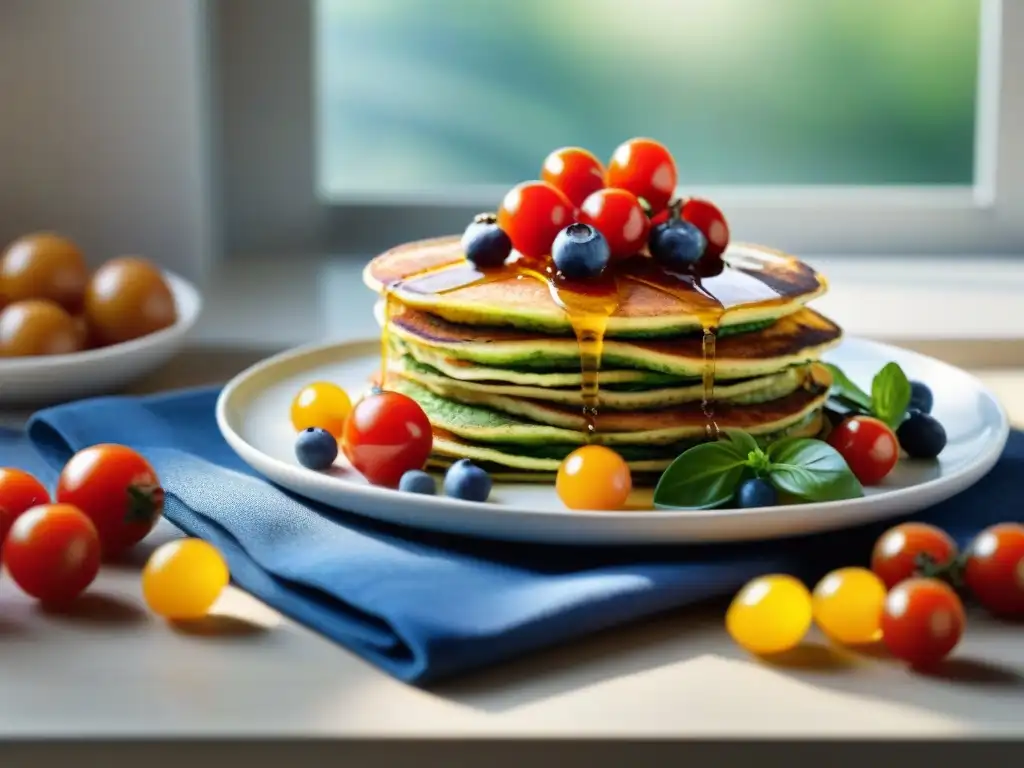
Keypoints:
pixel 418 481
pixel 465 480
pixel 921 436
pixel 677 245
pixel 921 398
pixel 580 252
pixel 485 243
pixel 756 492
pixel 316 448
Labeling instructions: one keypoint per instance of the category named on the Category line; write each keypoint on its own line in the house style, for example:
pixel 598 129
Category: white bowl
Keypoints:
pixel 50 379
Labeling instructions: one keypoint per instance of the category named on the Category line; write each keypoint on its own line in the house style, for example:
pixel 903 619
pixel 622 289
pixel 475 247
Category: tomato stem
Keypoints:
pixel 950 572
pixel 145 503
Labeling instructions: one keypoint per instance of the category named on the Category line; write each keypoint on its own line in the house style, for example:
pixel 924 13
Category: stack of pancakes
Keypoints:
pixel 496 366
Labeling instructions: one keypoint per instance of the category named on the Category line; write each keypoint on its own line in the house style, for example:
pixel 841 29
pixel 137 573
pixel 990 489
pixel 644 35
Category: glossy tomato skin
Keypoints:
pixel 52 553
pixel 646 168
pixel 18 491
pixel 869 447
pixel 532 214
pixel 574 171
pixel 617 215
pixel 895 555
pixel 387 435
pixel 127 298
pixel 994 569
pixel 118 489
pixel 594 477
pixel 710 220
pixel 922 622
pixel 44 266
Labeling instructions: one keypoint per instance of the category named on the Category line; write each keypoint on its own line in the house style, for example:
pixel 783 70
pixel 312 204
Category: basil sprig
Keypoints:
pixel 707 475
pixel 889 398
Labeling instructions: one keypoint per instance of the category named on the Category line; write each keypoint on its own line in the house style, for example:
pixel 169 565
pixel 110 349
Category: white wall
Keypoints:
pixel 103 127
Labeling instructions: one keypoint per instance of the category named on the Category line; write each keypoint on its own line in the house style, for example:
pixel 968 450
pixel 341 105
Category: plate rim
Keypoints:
pixel 184 292
pixel 963 478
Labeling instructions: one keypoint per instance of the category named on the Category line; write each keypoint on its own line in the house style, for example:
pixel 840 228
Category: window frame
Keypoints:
pixel 264 70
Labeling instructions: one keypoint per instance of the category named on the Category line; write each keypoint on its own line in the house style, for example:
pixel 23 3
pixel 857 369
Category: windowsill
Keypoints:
pixel 968 311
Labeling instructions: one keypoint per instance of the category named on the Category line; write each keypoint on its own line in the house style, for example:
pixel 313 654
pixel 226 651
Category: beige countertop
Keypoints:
pixel 113 670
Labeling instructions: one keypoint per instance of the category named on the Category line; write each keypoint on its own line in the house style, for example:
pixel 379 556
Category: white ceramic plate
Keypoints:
pixel 51 379
pixel 252 413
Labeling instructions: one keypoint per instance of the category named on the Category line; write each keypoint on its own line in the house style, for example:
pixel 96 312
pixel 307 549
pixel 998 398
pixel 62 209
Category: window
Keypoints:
pixel 820 126
pixel 438 96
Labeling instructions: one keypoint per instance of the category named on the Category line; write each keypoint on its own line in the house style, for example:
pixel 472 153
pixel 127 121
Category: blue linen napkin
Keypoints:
pixel 425 606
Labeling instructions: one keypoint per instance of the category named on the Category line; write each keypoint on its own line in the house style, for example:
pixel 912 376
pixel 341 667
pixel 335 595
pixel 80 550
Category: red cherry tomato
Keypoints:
pixel 894 558
pixel 532 214
pixel 645 168
pixel 53 552
pixel 117 489
pixel 922 621
pixel 574 171
pixel 386 436
pixel 869 447
pixel 994 571
pixel 706 217
pixel 617 215
pixel 18 491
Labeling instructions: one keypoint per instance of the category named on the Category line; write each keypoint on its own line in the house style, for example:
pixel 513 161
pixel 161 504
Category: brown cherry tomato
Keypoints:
pixel 128 298
pixel 37 327
pixel 44 266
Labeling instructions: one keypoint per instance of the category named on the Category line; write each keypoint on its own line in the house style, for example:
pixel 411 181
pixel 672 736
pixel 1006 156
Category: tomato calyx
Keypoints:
pixel 951 572
pixel 145 503
pixel 675 209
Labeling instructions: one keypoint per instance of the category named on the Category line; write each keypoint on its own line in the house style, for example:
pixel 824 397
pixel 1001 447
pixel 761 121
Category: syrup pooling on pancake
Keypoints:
pixel 589 305
pixel 431 280
pixel 708 297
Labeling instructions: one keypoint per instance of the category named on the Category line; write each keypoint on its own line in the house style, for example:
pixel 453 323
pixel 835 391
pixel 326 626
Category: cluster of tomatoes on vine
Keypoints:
pixel 586 215
pixel 910 599
pixel 107 499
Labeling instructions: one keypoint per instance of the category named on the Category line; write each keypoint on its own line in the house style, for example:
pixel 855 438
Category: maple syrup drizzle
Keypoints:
pixel 587 306
pixel 708 297
pixel 590 304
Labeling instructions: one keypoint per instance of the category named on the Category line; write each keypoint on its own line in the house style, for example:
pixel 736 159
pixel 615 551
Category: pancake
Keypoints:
pixel 761 284
pixel 530 422
pixel 464 370
pixel 797 338
pixel 509 462
pixel 746 391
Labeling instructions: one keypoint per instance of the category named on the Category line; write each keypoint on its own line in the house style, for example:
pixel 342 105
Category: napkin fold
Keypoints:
pixel 425 606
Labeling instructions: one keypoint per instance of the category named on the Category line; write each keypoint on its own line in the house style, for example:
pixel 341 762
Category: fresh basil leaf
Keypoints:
pixel 890 394
pixel 845 407
pixel 744 442
pixel 811 470
pixel 844 389
pixel 702 477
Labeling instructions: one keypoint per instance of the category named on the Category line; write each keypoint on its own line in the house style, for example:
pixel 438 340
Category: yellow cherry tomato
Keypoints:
pixel 594 477
pixel 321 404
pixel 848 605
pixel 183 579
pixel 771 614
